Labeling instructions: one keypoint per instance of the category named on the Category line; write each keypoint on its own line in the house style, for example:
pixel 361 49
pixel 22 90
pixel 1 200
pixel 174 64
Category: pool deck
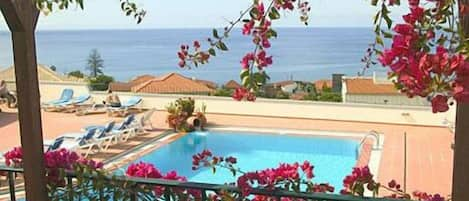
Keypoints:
pixel 429 154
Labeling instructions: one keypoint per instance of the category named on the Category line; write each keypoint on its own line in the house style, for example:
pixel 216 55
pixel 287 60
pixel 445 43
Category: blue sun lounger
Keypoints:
pixel 67 95
pixel 125 106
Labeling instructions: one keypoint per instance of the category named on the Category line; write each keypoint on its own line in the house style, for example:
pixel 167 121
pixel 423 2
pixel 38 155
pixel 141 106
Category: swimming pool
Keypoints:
pixel 333 158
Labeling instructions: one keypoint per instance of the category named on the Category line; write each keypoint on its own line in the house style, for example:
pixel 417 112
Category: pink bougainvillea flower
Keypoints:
pixel 440 104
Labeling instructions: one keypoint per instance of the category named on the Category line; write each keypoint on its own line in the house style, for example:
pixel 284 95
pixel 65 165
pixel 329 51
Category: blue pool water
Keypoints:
pixel 333 158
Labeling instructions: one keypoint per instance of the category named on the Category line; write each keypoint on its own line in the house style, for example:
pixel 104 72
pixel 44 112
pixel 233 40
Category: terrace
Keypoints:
pixel 428 155
pixel 427 163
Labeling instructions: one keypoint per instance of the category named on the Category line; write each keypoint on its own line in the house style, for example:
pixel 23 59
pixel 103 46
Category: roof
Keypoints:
pixel 319 84
pixel 44 74
pixel 368 86
pixel 232 85
pixel 209 84
pixel 120 86
pixel 280 83
pixel 141 79
pixel 172 83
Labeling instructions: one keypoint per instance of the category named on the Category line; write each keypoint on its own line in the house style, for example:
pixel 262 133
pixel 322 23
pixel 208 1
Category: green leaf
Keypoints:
pixel 374 2
pixel 388 21
pixel 212 52
pixel 215 34
pixel 274 14
pixel 244 73
pixel 220 45
pixel 254 13
pixel 271 33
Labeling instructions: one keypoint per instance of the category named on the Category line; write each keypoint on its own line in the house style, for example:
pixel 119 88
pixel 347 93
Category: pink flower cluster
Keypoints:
pixel 243 94
pixel 207 159
pixel 147 170
pixel 354 184
pixel 55 161
pixel 199 56
pixel 273 177
pixel 421 196
pixel 14 157
pixel 440 75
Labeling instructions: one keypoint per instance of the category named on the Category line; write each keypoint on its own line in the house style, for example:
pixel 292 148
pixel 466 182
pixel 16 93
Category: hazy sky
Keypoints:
pixel 106 14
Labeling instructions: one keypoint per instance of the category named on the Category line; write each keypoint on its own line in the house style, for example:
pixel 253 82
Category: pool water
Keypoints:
pixel 333 158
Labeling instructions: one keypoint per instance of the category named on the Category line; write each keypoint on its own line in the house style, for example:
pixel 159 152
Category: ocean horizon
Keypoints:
pixel 304 54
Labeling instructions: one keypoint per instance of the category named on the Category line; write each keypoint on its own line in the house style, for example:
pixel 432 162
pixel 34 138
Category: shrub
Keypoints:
pixel 77 74
pixel 223 92
pixel 330 97
pixel 100 82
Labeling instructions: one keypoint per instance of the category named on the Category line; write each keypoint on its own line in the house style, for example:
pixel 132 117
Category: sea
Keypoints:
pixel 299 53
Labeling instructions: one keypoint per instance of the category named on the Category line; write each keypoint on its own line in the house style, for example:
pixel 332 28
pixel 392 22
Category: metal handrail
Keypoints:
pixel 204 187
pixel 375 134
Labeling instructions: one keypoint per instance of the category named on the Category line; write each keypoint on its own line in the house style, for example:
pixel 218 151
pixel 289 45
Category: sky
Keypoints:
pixel 162 14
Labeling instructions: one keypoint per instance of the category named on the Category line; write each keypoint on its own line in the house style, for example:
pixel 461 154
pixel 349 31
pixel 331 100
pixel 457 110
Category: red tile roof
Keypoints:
pixel 319 84
pixel 172 83
pixel 368 86
pixel 141 79
pixel 209 84
pixel 120 86
pixel 232 85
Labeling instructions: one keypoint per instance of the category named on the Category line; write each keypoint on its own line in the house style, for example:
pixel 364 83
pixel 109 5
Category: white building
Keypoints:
pixel 376 90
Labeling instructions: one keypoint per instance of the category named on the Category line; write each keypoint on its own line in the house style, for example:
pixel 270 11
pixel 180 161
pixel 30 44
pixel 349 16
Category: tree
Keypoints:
pixel 100 82
pixel 77 74
pixel 53 68
pixel 95 63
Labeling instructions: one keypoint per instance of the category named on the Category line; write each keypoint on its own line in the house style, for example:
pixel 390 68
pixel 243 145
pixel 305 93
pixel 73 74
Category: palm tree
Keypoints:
pixel 95 63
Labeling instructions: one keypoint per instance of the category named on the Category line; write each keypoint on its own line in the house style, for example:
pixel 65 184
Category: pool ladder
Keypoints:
pixel 376 145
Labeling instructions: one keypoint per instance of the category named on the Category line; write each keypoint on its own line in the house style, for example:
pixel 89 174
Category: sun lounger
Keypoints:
pixel 74 101
pixel 125 106
pixel 145 121
pixel 68 106
pixel 90 109
pixel 121 131
pixel 53 145
pixel 67 95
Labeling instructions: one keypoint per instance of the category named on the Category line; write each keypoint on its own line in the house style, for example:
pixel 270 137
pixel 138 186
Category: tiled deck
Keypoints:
pixel 429 156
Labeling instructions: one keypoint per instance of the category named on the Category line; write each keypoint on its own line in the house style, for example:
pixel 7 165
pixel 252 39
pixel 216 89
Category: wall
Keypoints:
pixel 410 115
pixel 51 90
pixel 385 99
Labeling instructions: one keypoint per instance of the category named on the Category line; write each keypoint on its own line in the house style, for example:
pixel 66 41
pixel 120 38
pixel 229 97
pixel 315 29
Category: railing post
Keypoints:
pixel 461 138
pixel 203 195
pixel 21 17
pixel 11 183
pixel 70 187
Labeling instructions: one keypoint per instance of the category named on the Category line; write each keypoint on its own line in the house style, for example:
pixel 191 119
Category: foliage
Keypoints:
pixel 94 183
pixel 257 23
pixel 100 83
pixel 53 68
pixel 76 73
pixel 180 110
pixel 223 92
pixel 428 52
pixel 282 95
pixel 330 97
pixel 127 6
pixel 95 63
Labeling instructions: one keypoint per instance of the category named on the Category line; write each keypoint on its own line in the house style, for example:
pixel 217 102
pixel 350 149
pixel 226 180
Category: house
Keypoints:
pixel 232 85
pixel 127 86
pixel 209 84
pixel 172 83
pixel 321 84
pixel 44 74
pixel 373 90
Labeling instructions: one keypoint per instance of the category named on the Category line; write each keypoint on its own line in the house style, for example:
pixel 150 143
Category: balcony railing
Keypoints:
pixel 204 189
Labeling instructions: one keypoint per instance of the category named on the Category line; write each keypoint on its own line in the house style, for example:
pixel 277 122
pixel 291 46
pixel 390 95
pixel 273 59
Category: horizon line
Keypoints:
pixel 186 28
